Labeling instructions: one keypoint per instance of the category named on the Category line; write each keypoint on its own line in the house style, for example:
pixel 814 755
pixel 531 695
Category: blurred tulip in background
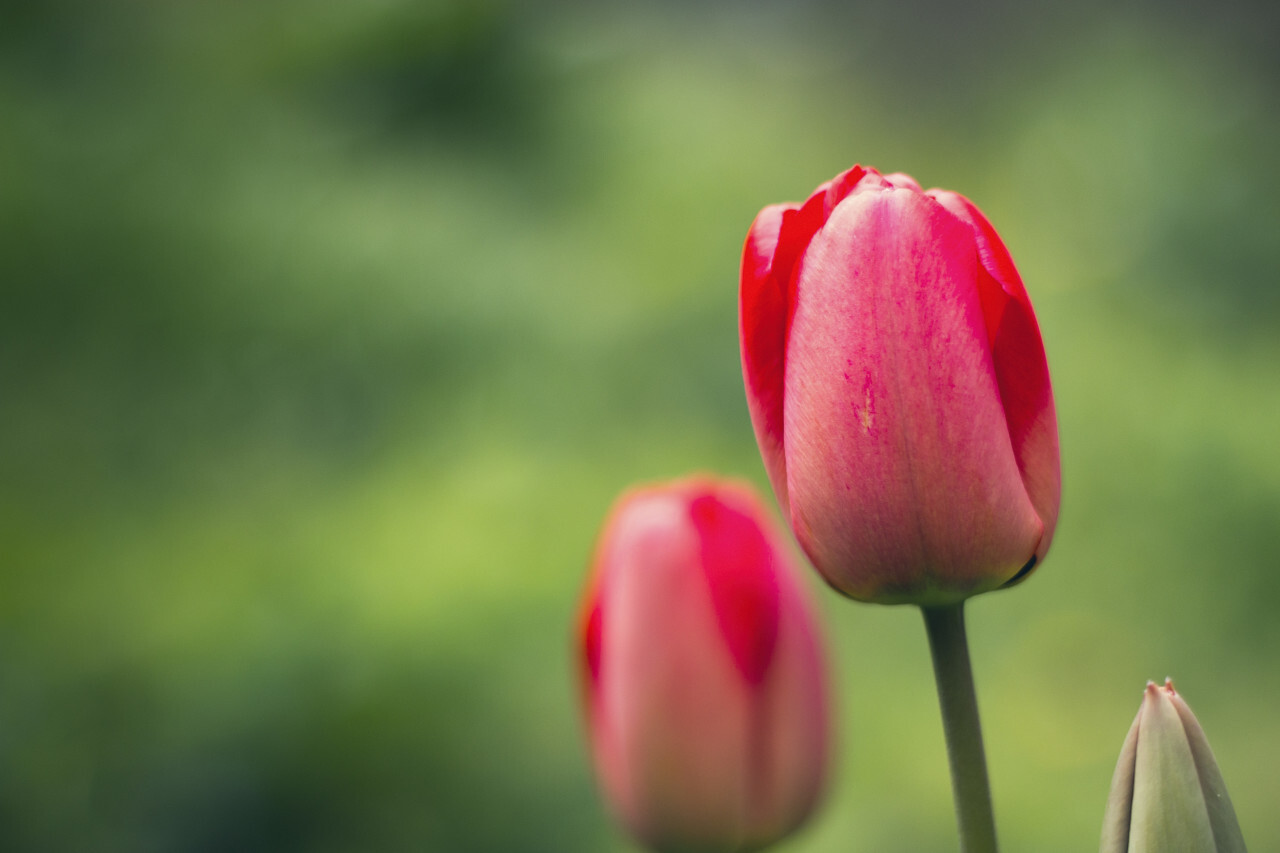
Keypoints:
pixel 705 693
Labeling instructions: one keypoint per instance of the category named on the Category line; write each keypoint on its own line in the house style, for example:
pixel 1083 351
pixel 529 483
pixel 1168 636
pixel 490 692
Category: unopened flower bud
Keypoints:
pixel 706 695
pixel 1167 795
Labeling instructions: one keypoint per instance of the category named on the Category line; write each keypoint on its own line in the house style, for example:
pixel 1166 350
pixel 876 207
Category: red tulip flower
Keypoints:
pixel 705 689
pixel 899 391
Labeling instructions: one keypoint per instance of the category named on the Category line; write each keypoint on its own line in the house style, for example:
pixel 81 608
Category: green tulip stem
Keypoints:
pixel 954 676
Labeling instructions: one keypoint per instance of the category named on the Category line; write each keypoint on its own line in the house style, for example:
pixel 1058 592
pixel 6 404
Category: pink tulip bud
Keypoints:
pixel 899 391
pixel 705 689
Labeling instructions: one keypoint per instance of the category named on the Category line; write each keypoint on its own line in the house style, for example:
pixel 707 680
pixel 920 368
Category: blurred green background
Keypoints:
pixel 330 331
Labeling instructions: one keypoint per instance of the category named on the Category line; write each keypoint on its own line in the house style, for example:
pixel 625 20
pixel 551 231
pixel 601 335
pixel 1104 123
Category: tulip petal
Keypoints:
pixel 1222 815
pixel 902 180
pixel 742 580
pixel 775 243
pixel 666 661
pixel 789 767
pixel 1169 812
pixel 847 183
pixel 900 473
pixel 762 328
pixel 591 642
pixel 1021 368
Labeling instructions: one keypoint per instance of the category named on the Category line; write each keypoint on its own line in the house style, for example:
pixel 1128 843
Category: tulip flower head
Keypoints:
pixel 899 390
pixel 705 691
pixel 1167 795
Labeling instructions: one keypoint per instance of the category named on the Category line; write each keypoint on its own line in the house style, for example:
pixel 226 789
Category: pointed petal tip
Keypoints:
pixel 901 180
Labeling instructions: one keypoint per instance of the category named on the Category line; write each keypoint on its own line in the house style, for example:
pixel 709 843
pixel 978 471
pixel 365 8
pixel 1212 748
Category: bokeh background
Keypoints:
pixel 329 332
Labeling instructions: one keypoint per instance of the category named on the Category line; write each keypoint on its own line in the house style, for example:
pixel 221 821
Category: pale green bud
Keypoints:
pixel 1167 795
